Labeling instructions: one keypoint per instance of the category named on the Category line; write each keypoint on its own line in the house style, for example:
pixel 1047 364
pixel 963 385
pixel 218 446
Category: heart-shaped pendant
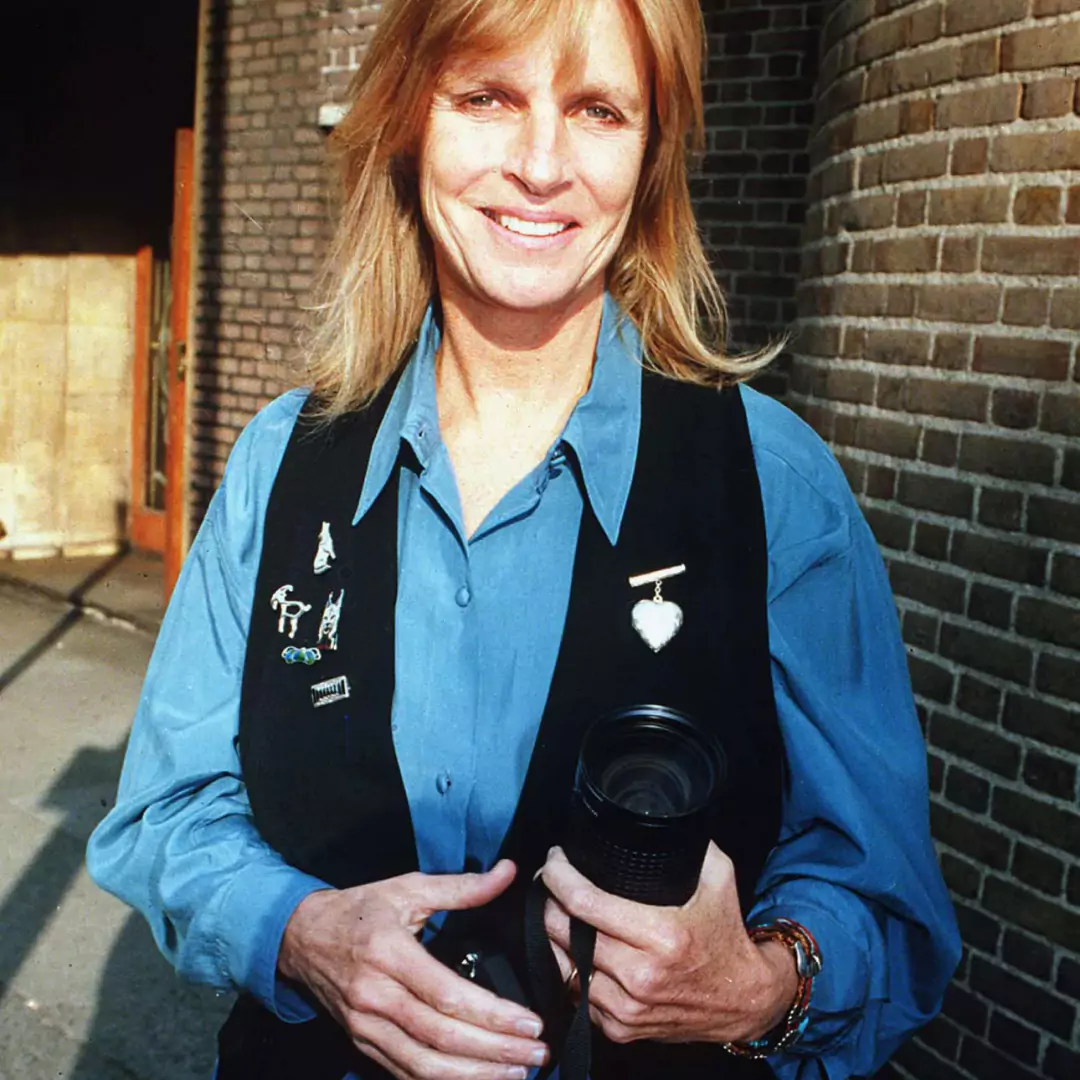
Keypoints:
pixel 657 621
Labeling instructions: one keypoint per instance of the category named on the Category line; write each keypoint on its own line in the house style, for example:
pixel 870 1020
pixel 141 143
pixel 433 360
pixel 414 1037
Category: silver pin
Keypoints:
pixel 328 624
pixel 657 620
pixel 289 611
pixel 326 693
pixel 326 550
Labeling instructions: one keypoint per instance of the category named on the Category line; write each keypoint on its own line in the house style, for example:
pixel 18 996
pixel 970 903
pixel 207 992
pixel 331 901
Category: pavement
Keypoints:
pixel 84 994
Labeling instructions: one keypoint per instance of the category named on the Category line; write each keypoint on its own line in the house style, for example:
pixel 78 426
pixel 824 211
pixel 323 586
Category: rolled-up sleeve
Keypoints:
pixel 855 863
pixel 180 845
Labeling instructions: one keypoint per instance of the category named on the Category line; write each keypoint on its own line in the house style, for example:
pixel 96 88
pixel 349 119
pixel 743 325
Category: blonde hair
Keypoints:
pixel 379 276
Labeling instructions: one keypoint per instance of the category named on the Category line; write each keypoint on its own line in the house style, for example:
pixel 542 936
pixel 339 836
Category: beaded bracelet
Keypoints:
pixel 807 965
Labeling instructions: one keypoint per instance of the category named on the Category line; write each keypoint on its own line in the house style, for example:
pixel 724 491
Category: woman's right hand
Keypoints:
pixel 357 951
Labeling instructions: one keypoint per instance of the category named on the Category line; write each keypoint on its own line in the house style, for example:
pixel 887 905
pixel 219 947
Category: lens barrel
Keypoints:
pixel 641 812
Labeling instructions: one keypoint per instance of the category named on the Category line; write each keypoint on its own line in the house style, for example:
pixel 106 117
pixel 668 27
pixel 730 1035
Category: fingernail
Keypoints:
pixel 517 1073
pixel 531 1028
pixel 539 1056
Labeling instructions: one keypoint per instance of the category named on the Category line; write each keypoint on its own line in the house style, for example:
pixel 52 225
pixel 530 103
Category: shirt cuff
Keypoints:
pixel 842 987
pixel 255 912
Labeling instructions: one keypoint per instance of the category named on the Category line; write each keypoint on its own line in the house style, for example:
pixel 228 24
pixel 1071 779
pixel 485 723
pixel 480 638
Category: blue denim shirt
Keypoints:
pixel 855 863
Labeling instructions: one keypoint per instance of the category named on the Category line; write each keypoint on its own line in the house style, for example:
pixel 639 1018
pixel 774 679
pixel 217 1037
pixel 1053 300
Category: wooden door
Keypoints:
pixel 150 404
pixel 159 428
pixel 176 486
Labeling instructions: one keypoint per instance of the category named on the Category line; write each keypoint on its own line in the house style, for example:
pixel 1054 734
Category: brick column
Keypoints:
pixel 939 313
pixel 262 219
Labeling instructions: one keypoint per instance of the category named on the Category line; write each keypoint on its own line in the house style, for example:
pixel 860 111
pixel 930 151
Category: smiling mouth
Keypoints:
pixel 529 228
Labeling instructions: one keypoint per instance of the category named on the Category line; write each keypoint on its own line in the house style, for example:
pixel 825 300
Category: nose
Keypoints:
pixel 540 155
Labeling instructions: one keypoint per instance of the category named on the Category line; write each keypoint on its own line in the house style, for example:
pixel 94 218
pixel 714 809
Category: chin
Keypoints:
pixel 532 292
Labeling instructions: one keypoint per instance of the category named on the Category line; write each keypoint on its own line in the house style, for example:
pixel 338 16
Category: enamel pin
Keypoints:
pixel 326 550
pixel 289 611
pixel 293 654
pixel 657 620
pixel 328 624
pixel 326 693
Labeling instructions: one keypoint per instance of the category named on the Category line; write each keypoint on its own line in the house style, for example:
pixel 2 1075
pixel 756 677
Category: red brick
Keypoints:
pixel 874 125
pixel 1027 307
pixel 944 397
pixel 844 384
pixel 959 254
pixel 1037 206
pixel 1018 409
pixel 925 24
pixel 976 108
pixel 975 303
pixel 911 208
pixel 916 116
pixel 897 346
pixel 967 205
pixel 863 212
pixel 862 257
pixel 1031 255
pixel 970 157
pixel 1032 358
pixel 980 58
pixel 1048 97
pixel 916 162
pixel 894 437
pixel 1041 47
pixel 916 254
pixel 870 170
pixel 965 16
pixel 1065 309
pixel 1055 151
pixel 1008 459
pixel 952 351
pixel 881 37
pixel 860 299
pixel 1072 211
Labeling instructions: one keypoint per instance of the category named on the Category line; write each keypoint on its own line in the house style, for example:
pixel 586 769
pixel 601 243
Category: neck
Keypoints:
pixel 492 361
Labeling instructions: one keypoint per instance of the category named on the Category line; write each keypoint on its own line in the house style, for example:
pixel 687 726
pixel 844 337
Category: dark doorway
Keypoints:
pixel 91 96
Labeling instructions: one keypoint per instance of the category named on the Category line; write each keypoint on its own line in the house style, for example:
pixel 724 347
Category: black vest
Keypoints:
pixel 324 783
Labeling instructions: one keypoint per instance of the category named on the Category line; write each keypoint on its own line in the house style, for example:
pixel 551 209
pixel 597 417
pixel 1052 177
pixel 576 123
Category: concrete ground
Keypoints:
pixel 84 994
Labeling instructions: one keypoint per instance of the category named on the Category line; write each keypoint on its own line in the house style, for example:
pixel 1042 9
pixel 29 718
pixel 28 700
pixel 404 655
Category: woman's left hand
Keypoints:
pixel 677 974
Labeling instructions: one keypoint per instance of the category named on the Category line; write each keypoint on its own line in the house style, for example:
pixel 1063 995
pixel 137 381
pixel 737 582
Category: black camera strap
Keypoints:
pixel 549 990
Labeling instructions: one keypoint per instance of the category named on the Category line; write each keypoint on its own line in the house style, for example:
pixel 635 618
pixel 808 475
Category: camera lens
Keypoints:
pixel 640 817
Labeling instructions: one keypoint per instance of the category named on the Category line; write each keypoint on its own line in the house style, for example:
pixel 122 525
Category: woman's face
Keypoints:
pixel 527 180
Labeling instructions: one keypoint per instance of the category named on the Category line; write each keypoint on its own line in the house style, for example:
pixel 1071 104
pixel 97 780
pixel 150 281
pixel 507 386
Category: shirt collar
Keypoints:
pixel 602 430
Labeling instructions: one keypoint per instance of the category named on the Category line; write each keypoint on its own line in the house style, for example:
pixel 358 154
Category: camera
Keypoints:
pixel 641 813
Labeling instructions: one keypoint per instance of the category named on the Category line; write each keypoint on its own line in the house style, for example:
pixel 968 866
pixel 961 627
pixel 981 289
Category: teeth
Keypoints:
pixel 532 228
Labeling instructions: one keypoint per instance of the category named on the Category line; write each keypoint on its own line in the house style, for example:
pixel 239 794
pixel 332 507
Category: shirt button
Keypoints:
pixel 463 596
pixel 442 782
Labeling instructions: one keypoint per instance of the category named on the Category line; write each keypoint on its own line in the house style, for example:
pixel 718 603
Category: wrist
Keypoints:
pixel 292 949
pixel 804 959
pixel 777 987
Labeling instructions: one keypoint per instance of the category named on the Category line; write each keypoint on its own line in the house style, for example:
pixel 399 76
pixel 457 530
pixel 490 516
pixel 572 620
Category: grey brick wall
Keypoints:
pixel 938 353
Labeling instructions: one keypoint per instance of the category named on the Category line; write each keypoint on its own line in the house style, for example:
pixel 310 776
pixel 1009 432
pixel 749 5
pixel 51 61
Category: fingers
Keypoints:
pixel 640 925
pixel 388 999
pixel 448 993
pixel 409 1059
pixel 609 955
pixel 453 892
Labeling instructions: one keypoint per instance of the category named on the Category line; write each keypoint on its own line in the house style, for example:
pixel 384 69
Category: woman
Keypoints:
pixel 480 469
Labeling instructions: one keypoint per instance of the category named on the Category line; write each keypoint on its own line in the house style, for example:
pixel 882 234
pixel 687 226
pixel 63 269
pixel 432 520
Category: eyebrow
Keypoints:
pixel 497 73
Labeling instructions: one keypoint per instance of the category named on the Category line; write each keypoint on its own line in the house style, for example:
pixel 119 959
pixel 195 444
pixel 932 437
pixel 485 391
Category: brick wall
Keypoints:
pixel 262 219
pixel 750 194
pixel 938 353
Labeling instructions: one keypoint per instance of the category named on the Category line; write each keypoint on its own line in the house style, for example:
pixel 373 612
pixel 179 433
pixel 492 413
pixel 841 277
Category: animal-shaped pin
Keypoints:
pixel 289 611
pixel 328 624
